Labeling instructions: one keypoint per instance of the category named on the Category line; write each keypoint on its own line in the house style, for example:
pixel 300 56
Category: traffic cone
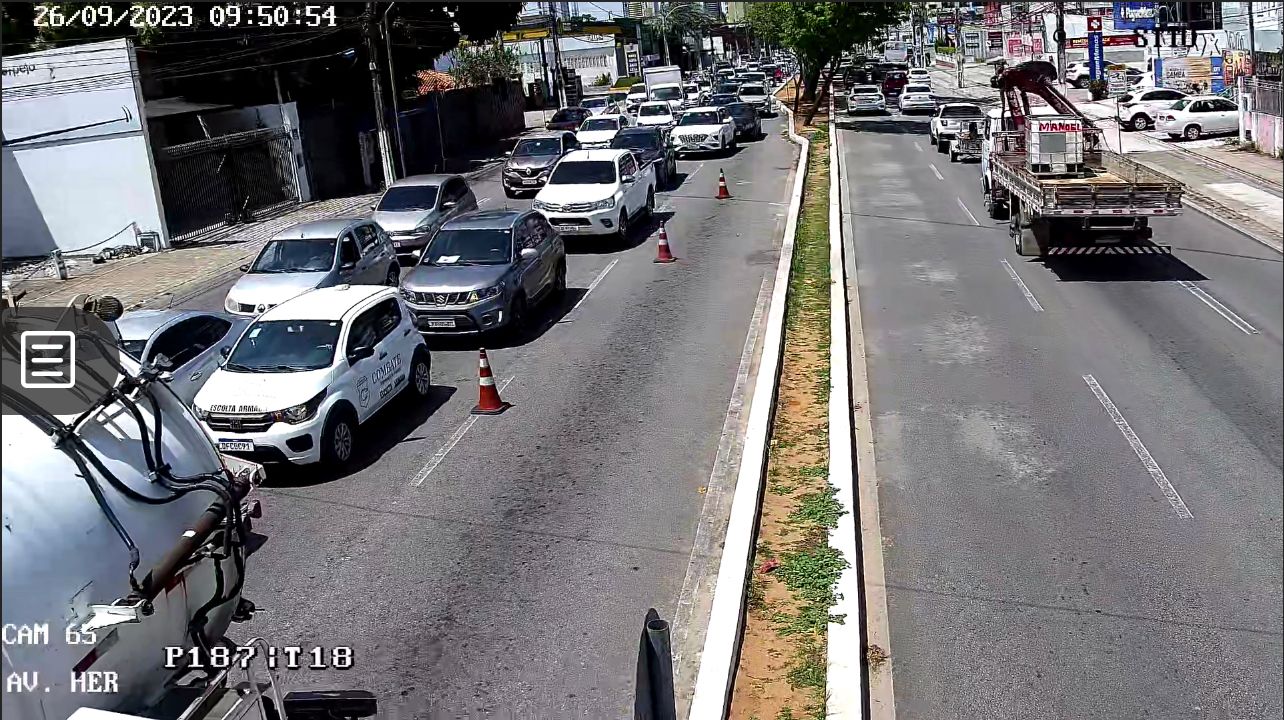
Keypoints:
pixel 488 402
pixel 723 194
pixel 662 254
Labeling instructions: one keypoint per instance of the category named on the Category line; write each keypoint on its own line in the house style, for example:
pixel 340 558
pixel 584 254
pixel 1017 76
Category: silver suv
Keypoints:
pixel 483 271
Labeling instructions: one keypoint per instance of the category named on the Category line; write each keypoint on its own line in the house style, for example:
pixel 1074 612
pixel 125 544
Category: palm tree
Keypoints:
pixel 681 20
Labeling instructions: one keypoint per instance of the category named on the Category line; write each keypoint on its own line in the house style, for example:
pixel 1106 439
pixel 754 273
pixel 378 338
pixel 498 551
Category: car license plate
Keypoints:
pixel 236 446
pixel 446 323
pixel 530 182
pixel 396 243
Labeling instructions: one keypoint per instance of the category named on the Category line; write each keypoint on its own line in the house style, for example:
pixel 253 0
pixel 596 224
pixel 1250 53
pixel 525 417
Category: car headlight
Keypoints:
pixel 485 293
pixel 424 226
pixel 606 204
pixel 231 305
pixel 407 293
pixel 200 413
pixel 300 413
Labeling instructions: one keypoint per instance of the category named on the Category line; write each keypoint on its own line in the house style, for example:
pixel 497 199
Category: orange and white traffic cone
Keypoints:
pixel 662 254
pixel 488 402
pixel 723 193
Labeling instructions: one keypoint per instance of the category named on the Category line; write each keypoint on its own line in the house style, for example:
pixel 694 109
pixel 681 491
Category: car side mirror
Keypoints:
pixel 626 179
pixel 528 253
pixel 373 207
pixel 245 268
pixel 225 351
pixel 508 154
pixel 449 204
pixel 348 265
pixel 360 353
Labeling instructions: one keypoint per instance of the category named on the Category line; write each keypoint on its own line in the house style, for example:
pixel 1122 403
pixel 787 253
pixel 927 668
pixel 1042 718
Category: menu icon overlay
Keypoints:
pixel 48 359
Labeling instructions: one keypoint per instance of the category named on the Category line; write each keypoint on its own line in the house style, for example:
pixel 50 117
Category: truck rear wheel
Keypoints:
pixel 1025 232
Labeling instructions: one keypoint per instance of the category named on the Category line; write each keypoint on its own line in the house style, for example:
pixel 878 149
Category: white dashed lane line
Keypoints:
pixel 1029 296
pixel 936 172
pixel 1240 323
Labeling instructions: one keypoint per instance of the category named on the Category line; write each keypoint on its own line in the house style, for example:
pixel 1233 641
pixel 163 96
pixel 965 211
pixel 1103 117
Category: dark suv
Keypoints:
pixel 532 159
pixel 649 145
pixel 748 123
pixel 568 118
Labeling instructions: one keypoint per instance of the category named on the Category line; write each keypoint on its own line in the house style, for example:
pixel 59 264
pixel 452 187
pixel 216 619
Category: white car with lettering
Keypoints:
pixel 309 371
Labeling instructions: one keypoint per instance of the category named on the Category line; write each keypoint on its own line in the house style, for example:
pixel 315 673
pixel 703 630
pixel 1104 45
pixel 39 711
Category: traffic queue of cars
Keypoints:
pixel 323 328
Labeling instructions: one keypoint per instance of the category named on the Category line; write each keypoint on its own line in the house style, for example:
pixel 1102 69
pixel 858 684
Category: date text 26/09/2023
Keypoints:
pixel 160 16
pixel 288 657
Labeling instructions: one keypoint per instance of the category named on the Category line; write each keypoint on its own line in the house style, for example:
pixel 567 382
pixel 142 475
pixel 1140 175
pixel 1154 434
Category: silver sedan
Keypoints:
pixel 192 343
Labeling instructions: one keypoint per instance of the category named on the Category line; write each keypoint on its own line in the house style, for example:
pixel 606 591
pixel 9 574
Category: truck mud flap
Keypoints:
pixel 1111 250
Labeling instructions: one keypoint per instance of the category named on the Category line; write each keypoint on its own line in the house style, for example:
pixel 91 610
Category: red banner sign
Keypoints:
pixel 1107 40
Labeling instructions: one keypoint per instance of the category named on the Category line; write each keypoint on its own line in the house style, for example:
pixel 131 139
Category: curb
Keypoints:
pixel 1211 210
pixel 845 668
pixel 718 659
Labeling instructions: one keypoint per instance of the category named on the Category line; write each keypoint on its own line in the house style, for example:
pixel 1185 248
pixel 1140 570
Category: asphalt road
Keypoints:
pixel 1035 564
pixel 502 567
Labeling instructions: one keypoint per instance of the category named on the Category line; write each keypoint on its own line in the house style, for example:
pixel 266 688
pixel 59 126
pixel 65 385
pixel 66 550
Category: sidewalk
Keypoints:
pixel 1238 188
pixel 167 279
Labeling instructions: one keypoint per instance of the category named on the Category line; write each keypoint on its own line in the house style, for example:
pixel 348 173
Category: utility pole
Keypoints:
pixel 392 83
pixel 1252 44
pixel 1060 38
pixel 958 46
pixel 559 80
pixel 381 121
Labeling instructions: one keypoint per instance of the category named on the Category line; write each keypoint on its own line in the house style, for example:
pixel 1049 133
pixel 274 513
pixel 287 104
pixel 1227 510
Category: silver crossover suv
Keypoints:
pixel 482 272
pixel 322 253
pixel 412 208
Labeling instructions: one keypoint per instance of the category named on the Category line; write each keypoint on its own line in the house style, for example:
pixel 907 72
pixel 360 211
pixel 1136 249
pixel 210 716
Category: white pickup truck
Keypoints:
pixel 597 192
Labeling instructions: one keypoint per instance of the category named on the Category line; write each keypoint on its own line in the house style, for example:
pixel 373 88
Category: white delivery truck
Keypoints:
pixel 664 82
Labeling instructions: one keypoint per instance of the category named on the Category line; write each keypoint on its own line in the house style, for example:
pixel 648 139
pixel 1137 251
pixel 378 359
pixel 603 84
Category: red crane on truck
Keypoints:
pixel 1049 176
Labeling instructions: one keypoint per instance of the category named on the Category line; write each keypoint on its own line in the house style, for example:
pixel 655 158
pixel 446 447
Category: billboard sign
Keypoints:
pixel 1134 16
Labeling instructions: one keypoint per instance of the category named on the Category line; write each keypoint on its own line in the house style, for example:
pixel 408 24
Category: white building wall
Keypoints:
pixel 89 174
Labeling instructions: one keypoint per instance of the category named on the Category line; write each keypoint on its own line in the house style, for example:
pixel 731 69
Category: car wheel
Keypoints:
pixel 1140 122
pixel 931 138
pixel 421 374
pixel 338 437
pixel 942 146
pixel 622 230
pixel 954 156
pixel 516 325
pixel 559 279
pixel 1192 132
pixel 649 208
pixel 394 276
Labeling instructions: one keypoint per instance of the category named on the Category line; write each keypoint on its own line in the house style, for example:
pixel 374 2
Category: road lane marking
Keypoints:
pixel 1221 309
pixel 1029 296
pixel 1152 467
pixel 454 439
pixel 936 172
pixel 693 173
pixel 483 200
pixel 969 214
pixel 917 148
pixel 592 286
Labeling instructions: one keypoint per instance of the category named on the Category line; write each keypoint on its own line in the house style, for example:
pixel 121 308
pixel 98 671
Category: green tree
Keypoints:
pixel 482 65
pixel 678 21
pixel 819 32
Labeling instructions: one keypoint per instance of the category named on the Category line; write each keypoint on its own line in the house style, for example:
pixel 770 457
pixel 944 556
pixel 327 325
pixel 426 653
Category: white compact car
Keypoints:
pixel 657 113
pixel 919 76
pixel 597 192
pixel 309 371
pixel 600 130
pixel 866 98
pixel 1137 110
pixel 597 105
pixel 704 129
pixel 916 97
pixel 1198 115
pixel 949 120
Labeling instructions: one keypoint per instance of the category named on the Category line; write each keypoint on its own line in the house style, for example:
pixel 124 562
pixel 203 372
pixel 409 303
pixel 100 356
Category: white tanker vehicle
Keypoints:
pixel 124 554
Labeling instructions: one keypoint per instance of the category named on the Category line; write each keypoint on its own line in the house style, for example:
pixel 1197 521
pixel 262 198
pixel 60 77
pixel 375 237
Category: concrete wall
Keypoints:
pixel 77 164
pixel 1266 131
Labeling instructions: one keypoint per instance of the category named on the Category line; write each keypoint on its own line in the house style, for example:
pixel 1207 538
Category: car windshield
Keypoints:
pixel 408 197
pixel 285 346
pixel 584 172
pixel 593 102
pixel 538 146
pixel 755 77
pixel 728 88
pixel 722 99
pixel 637 89
pixel 619 96
pixel 636 141
pixel 959 111
pixel 286 256
pixel 469 246
pixel 690 89
pixel 742 110
pixel 700 118
pixel 753 90
pixel 653 110
pixel 134 348
pixel 601 123
pixel 1180 104
pixel 667 93
pixel 566 115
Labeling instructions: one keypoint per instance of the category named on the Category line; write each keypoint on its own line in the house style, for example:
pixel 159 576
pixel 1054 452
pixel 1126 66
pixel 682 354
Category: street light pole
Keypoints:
pixel 392 82
pixel 381 122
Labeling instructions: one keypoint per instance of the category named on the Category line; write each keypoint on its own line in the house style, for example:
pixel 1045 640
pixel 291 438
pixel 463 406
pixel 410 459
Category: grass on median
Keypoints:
pixel 791 593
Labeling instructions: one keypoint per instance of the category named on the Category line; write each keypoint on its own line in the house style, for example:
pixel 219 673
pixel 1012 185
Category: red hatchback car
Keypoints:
pixel 893 82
